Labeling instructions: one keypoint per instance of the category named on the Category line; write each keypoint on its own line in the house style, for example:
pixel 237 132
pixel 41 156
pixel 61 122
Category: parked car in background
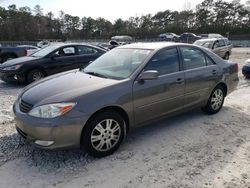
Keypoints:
pixel 246 69
pixel 188 37
pixel 169 36
pixel 136 83
pixel 221 46
pixel 30 49
pixel 211 35
pixel 43 44
pixel 49 60
pixel 7 53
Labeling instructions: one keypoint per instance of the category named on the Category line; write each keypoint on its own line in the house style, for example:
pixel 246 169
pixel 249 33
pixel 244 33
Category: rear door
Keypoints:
pixel 200 73
pixel 154 98
pixel 220 47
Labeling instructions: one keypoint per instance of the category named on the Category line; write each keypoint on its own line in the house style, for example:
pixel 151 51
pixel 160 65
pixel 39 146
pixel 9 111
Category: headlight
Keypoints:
pixel 15 67
pixel 51 110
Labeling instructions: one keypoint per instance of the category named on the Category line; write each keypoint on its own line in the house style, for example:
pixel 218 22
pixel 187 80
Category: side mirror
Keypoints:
pixel 149 75
pixel 53 56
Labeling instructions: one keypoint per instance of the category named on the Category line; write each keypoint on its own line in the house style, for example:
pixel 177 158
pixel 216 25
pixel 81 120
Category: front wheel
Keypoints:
pixel 35 75
pixel 215 101
pixel 103 134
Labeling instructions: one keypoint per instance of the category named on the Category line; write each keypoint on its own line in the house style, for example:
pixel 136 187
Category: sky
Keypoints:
pixel 108 9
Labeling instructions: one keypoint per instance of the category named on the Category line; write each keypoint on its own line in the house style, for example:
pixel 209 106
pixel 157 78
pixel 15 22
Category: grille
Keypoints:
pixel 25 107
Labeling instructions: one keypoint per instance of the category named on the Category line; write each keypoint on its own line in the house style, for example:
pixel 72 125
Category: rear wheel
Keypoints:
pixel 103 134
pixel 215 101
pixel 35 75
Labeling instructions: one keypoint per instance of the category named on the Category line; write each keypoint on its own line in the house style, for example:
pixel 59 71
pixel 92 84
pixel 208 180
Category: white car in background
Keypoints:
pixel 169 36
pixel 43 44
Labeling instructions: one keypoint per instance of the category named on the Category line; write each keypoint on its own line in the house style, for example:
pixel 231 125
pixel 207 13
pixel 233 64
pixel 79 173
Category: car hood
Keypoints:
pixel 65 87
pixel 19 60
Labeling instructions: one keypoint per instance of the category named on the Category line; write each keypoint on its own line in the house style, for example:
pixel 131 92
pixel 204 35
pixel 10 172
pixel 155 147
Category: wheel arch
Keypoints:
pixel 224 85
pixel 35 68
pixel 117 109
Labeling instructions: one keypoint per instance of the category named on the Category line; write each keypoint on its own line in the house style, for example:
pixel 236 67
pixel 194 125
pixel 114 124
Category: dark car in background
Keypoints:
pixel 30 49
pixel 188 37
pixel 136 83
pixel 246 69
pixel 220 46
pixel 49 60
pixel 7 53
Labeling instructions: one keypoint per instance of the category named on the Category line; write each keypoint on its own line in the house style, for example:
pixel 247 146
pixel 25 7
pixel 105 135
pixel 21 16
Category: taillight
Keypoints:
pixel 237 67
pixel 25 52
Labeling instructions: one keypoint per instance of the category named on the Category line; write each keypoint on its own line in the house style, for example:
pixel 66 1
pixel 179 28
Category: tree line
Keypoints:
pixel 210 16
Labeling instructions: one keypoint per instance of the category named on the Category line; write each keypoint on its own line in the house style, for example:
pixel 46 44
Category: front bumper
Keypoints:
pixel 12 76
pixel 61 132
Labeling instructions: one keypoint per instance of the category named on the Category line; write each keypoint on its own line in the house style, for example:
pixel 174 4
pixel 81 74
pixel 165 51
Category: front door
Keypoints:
pixel 154 98
pixel 63 59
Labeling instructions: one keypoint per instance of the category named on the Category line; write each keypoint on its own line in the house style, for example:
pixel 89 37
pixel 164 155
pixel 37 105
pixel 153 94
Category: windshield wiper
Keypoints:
pixel 95 74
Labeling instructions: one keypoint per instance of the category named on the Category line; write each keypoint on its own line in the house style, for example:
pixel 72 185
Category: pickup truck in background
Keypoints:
pixel 7 53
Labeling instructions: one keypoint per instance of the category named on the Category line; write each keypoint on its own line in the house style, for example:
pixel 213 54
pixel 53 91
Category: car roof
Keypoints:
pixel 151 45
pixel 61 44
pixel 211 39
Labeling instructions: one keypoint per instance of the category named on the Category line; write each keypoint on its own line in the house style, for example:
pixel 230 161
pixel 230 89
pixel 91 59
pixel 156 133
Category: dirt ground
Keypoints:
pixel 190 150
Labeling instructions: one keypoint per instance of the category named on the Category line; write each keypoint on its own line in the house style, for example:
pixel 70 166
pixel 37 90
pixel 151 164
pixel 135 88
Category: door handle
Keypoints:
pixel 179 81
pixel 214 71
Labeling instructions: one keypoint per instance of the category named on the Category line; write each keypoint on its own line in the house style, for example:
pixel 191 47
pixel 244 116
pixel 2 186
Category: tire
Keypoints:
pixel 35 75
pixel 226 57
pixel 215 101
pixel 98 140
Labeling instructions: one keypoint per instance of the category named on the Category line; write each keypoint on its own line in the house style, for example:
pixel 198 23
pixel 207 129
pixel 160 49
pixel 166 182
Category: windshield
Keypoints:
pixel 117 63
pixel 206 44
pixel 45 51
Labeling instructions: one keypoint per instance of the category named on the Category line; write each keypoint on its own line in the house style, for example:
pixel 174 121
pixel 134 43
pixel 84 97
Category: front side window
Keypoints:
pixel 67 51
pixel 165 61
pixel 192 58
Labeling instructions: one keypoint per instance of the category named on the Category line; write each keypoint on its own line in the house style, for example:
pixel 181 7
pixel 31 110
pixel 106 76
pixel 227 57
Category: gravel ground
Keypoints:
pixel 191 150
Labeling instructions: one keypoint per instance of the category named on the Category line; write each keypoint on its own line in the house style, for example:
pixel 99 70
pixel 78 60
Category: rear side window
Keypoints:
pixel 192 58
pixel 84 50
pixel 221 43
pixel 165 61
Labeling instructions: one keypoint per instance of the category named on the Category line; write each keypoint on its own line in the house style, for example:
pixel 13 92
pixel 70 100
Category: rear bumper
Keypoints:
pixel 246 71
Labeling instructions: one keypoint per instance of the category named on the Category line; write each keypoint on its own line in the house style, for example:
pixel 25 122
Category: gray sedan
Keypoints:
pixel 125 88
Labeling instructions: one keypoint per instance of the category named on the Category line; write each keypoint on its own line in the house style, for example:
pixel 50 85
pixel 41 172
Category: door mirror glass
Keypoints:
pixel 149 75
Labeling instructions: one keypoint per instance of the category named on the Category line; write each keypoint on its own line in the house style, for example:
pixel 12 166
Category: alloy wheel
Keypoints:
pixel 217 99
pixel 37 76
pixel 105 135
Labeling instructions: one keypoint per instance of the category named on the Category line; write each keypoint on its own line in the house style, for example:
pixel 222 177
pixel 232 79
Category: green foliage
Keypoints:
pixel 210 16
